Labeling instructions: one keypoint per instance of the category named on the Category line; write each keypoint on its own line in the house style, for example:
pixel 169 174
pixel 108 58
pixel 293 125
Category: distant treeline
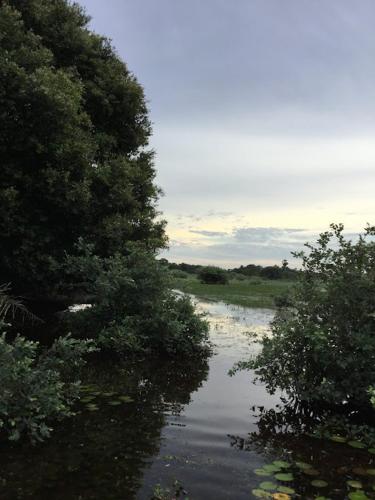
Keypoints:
pixel 251 270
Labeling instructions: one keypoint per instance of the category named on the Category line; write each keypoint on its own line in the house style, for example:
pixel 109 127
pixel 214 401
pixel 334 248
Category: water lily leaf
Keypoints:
pixel 358 495
pixel 311 471
pixel 262 472
pixel 125 399
pixel 282 464
pixel 319 483
pixel 92 407
pixel 284 476
pixel 370 472
pixel 371 450
pixel 338 439
pixel 271 468
pixel 286 489
pixel 356 444
pixel 115 403
pixel 268 485
pixel 354 484
pixel 303 465
pixel 108 394
pixel 261 494
pixel 87 399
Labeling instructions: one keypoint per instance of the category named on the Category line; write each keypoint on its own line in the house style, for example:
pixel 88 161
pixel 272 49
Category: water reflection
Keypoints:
pixel 103 454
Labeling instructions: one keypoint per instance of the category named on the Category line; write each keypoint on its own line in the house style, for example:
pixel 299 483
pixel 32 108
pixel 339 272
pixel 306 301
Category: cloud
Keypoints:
pixel 210 234
pixel 264 234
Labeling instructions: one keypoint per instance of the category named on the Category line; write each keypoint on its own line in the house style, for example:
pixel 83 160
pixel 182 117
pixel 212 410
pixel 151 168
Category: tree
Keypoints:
pixel 73 132
pixel 322 347
pixel 211 275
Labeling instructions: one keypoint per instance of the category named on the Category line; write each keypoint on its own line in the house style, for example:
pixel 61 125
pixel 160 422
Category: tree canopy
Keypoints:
pixel 74 130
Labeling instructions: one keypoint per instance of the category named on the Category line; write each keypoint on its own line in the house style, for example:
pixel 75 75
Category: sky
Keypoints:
pixel 263 117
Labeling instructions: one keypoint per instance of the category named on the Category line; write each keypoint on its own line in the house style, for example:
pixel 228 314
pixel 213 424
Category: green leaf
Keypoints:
pixel 282 464
pixel 261 494
pixel 354 484
pixel 311 472
pixel 338 439
pixel 268 485
pixel 356 444
pixel 286 489
pixel 303 465
pixel 262 472
pixel 319 483
pixel 358 495
pixel 284 476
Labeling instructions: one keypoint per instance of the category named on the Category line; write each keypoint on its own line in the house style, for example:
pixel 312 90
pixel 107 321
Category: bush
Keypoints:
pixel 322 347
pixel 133 306
pixel 38 387
pixel 213 276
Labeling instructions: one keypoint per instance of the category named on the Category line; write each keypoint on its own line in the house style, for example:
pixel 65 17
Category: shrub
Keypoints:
pixel 133 306
pixel 213 276
pixel 322 347
pixel 38 387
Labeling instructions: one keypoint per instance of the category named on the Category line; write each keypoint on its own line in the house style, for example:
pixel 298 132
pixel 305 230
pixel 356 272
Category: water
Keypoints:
pixel 183 420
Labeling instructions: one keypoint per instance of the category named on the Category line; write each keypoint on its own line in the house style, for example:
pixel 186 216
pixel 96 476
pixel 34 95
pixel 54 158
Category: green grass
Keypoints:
pixel 252 292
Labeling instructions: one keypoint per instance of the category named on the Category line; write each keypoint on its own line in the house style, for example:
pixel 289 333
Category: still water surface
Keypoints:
pixel 178 420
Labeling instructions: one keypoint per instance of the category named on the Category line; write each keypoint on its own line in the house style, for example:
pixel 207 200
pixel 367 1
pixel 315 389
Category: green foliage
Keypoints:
pixel 248 292
pixel 133 307
pixel 211 275
pixel 73 129
pixel 38 387
pixel 322 345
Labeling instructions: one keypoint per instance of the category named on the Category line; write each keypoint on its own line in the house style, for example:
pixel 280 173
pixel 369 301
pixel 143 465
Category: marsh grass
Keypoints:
pixel 251 292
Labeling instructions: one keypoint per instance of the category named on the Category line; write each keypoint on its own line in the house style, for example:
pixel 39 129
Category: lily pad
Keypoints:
pixel 261 494
pixel 262 472
pixel 356 444
pixel 358 495
pixel 115 403
pixel 303 465
pixel 370 472
pixel 319 483
pixel 286 489
pixel 354 484
pixel 281 476
pixel 371 450
pixel 281 496
pixel 271 468
pixel 311 471
pixel 268 485
pixel 282 464
pixel 92 407
pixel 125 399
pixel 87 399
pixel 338 439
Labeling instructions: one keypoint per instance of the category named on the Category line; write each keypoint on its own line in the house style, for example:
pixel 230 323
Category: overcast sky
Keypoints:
pixel 263 114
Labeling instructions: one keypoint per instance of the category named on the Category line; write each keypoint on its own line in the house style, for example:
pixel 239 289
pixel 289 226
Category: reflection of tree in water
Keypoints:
pixel 284 433
pixel 102 454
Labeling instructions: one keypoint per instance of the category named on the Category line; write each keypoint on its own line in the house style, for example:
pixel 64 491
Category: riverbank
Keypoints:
pixel 252 292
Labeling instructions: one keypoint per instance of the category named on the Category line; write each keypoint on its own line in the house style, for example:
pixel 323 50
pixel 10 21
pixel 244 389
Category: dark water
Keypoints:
pixel 187 421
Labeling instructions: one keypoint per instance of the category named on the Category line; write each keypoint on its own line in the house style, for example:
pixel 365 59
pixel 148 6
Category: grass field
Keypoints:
pixel 252 292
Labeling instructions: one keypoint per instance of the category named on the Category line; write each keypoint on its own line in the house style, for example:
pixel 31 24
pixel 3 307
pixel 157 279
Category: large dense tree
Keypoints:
pixel 73 132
